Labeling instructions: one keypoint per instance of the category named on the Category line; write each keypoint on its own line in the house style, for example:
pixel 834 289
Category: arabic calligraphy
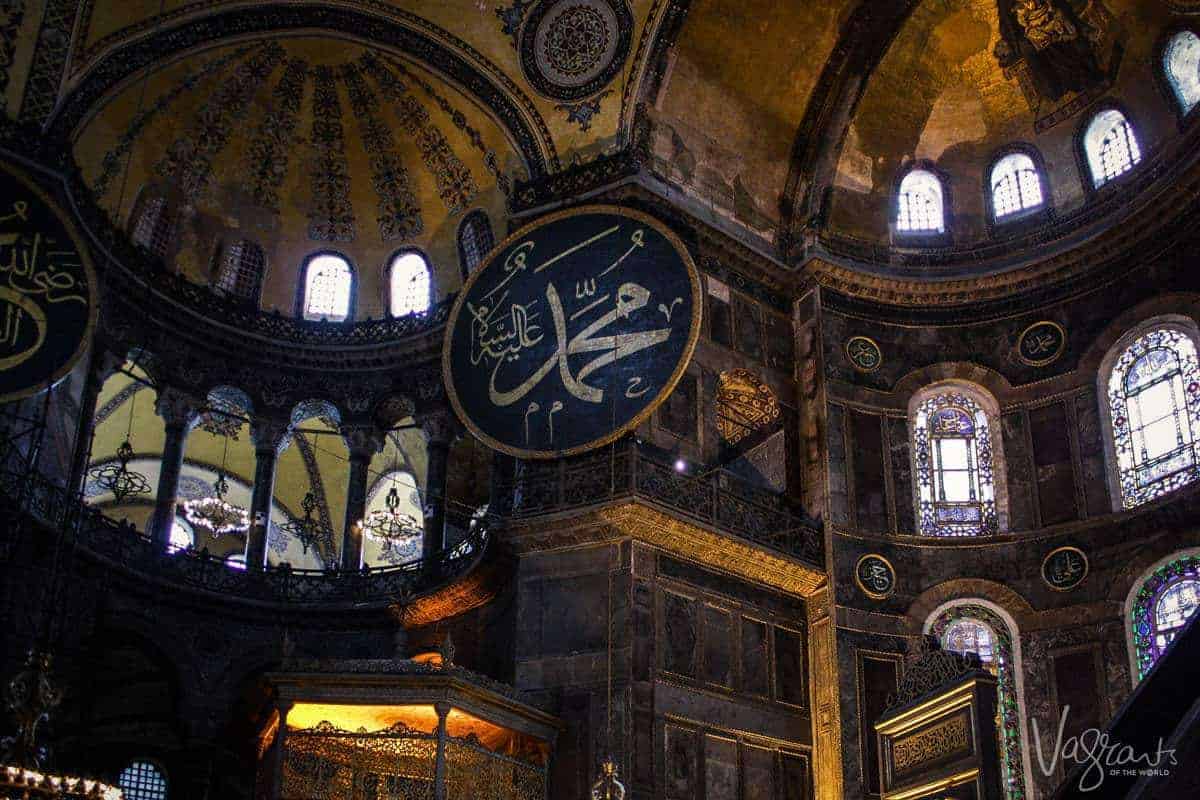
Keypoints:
pixel 1065 568
pixel 1041 343
pixel 46 300
pixel 864 354
pixel 578 325
pixel 875 576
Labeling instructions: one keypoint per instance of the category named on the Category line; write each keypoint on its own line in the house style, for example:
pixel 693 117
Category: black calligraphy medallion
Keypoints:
pixel 573 332
pixel 47 290
pixel 1064 568
pixel 875 576
pixel 1041 343
pixel 864 354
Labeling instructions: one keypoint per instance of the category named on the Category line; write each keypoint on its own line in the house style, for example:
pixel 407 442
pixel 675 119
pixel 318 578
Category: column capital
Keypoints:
pixel 440 427
pixel 270 435
pixel 363 441
pixel 103 364
pixel 177 408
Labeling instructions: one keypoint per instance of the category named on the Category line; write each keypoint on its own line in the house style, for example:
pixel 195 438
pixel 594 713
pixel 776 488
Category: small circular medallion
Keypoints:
pixel 571 49
pixel 864 354
pixel 875 576
pixel 1064 568
pixel 1041 343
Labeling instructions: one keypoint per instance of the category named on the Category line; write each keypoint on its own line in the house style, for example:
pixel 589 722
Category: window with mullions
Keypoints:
pixel 1154 404
pixel 241 271
pixel 141 780
pixel 1111 146
pixel 920 204
pixel 411 284
pixel 475 240
pixel 1181 63
pixel 1164 603
pixel 953 450
pixel 154 228
pixel 1016 185
pixel 328 283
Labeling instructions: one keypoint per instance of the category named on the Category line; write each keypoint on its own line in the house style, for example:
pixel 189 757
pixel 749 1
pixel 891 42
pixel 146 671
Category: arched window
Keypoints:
pixel 972 627
pixel 1181 62
pixel 1111 146
pixel 241 270
pixel 952 448
pixel 1164 602
pixel 142 780
pixel 328 287
pixel 475 240
pixel 1016 185
pixel 154 228
pixel 411 284
pixel 1154 412
pixel 920 204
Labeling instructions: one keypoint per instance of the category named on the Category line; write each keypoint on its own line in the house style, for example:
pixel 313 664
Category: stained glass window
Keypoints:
pixel 920 205
pixel 328 282
pixel 1016 185
pixel 1111 146
pixel 1181 62
pixel 1163 605
pixel 241 270
pixel 955 485
pixel 475 240
pixel 155 227
pixel 1154 405
pixel 141 780
pixel 975 628
pixel 411 284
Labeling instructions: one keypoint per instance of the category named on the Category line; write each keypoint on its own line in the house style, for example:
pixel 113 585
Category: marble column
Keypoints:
pixel 363 441
pixel 180 412
pixel 101 364
pixel 270 437
pixel 439 768
pixel 440 429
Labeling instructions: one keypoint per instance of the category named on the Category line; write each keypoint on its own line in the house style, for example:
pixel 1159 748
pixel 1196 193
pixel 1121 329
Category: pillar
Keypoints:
pixel 363 441
pixel 101 364
pixel 440 430
pixel 269 437
pixel 439 769
pixel 180 413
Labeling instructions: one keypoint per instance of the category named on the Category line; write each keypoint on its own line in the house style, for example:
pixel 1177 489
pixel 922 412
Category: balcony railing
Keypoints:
pixel 624 471
pixel 123 546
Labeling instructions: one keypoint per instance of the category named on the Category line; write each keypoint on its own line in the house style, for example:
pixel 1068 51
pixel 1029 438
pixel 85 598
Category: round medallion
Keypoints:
pixel 864 354
pixel 48 300
pixel 571 49
pixel 1041 343
pixel 572 333
pixel 875 576
pixel 1064 568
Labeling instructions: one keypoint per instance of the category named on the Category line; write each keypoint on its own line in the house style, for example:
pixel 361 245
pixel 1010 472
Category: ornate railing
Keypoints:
pixel 123 546
pixel 625 471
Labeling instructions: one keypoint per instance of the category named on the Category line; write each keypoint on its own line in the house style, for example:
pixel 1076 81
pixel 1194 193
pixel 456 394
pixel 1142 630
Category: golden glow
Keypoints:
pixel 933 708
pixel 936 786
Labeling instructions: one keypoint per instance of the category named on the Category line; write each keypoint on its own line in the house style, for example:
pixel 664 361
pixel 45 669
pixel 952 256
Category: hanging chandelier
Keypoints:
pixel 392 526
pixel 214 513
pixel 307 529
pixel 116 477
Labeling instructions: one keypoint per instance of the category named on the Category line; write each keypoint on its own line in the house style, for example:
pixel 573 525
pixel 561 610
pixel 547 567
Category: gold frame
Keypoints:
pixel 874 344
pixel 1045 361
pixel 643 415
pixel 1087 566
pixel 868 592
pixel 89 271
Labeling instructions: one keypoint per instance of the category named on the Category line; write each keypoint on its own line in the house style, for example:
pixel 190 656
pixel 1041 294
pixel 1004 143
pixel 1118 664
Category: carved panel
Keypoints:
pixel 720 768
pixel 718 647
pixel 679 634
pixel 680 762
pixel 1049 429
pixel 945 739
pixel 790 685
pixel 755 676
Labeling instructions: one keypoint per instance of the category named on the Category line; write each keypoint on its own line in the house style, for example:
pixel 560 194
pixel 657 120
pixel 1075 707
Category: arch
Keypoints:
pixel 1148 387
pixel 1144 640
pixel 1181 67
pixel 958 465
pixel 1110 146
pixel 241 270
pixel 1016 186
pixel 327 287
pixel 154 223
pixel 972 614
pixel 408 493
pixel 143 779
pixel 745 406
pixel 475 240
pixel 410 283
pixel 920 203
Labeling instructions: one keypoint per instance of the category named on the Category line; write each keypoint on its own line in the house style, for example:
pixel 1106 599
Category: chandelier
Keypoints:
pixel 118 479
pixel 214 513
pixel 391 525
pixel 307 529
